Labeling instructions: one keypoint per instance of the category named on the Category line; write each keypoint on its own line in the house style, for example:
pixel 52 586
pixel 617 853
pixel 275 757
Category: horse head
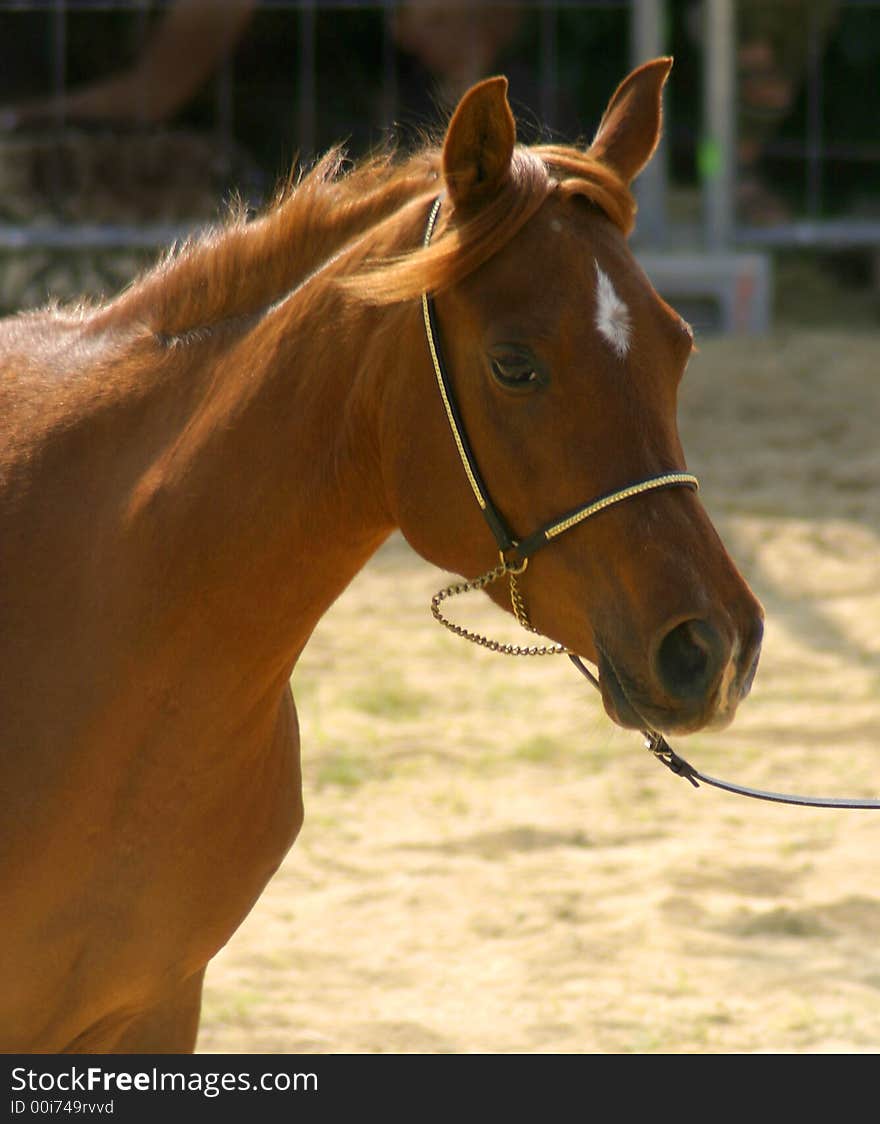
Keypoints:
pixel 565 364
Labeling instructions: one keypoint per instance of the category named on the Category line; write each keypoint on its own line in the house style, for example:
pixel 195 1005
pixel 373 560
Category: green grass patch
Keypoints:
pixel 389 700
pixel 344 769
pixel 540 749
pixel 239 1008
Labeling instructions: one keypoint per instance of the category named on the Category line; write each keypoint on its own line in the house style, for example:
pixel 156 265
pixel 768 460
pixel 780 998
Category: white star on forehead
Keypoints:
pixel 612 315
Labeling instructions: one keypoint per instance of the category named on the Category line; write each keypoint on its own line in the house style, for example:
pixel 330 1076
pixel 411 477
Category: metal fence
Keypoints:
pixel 301 107
pixel 823 143
pixel 706 144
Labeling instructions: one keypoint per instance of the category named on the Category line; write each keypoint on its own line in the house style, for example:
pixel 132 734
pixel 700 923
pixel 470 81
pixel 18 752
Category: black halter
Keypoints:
pixel 515 553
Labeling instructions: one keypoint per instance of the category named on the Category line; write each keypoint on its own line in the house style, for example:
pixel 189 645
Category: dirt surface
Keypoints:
pixel 489 865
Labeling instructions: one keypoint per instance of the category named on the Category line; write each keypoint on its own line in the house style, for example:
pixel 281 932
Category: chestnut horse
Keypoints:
pixel 191 473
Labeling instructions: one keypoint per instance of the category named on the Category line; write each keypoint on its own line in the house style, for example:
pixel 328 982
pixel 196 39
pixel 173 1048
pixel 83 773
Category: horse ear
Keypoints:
pixel 630 127
pixel 479 143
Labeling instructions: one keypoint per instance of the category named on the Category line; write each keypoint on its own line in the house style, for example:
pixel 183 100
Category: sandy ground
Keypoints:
pixel 489 865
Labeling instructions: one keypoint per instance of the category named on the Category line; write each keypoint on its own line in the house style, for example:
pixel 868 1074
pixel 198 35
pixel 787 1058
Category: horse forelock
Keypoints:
pixel 577 173
pixel 367 217
pixel 464 242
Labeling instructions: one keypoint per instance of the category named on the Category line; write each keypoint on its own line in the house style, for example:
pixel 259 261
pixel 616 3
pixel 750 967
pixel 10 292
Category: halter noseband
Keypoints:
pixel 514 557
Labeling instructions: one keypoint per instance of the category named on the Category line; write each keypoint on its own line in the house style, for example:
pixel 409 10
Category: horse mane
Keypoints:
pixel 355 215
pixel 245 264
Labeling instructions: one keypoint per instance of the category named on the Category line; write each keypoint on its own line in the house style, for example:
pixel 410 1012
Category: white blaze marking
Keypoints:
pixel 612 315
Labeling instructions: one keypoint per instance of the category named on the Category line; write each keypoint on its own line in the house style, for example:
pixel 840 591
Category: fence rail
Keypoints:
pixel 645 25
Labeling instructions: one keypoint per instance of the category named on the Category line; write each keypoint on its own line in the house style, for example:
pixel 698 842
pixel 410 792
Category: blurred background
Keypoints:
pixel 124 124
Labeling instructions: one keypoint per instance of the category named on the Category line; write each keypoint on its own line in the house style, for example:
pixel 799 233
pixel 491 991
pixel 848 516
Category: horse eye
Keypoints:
pixel 515 372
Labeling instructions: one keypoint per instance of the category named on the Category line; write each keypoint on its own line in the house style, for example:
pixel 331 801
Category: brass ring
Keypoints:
pixel 510 566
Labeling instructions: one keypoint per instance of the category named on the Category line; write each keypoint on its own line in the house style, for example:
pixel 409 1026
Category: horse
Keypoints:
pixel 192 471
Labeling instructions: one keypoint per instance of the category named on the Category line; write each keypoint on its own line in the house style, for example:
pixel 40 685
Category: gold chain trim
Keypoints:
pixel 438 375
pixel 450 417
pixel 503 569
pixel 624 494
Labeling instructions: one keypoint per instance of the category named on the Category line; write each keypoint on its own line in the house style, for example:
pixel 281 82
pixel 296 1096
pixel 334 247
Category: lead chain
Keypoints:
pixel 501 570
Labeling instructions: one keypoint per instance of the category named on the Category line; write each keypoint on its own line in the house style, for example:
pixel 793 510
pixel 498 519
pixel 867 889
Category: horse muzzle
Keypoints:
pixel 695 676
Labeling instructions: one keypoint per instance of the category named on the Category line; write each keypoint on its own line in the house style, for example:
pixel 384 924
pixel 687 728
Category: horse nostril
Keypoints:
pixel 688 659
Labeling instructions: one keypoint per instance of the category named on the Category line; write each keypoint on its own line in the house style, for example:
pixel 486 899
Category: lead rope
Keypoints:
pixel 660 748
pixel 654 741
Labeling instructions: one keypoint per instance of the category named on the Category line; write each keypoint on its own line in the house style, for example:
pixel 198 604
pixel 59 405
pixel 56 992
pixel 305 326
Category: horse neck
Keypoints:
pixel 273 488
